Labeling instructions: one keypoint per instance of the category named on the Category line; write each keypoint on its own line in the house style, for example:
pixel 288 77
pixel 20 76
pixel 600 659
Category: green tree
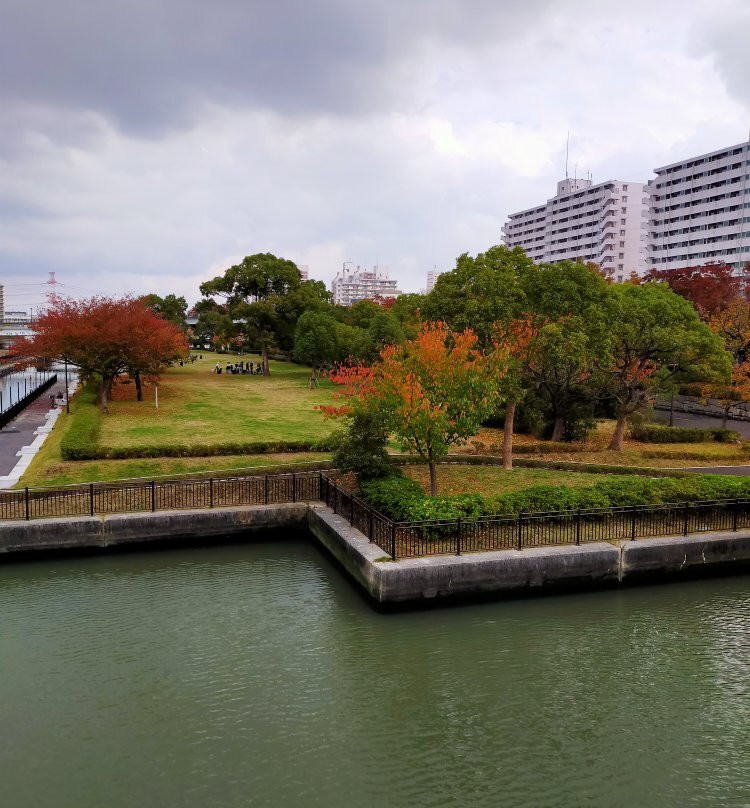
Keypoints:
pixel 316 342
pixel 256 291
pixel 655 334
pixel 384 329
pixel 170 307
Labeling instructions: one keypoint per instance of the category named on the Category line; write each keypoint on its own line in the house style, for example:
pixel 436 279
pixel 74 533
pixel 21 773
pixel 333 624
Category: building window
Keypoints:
pixel 624 186
pixel 622 232
pixel 622 221
pixel 622 243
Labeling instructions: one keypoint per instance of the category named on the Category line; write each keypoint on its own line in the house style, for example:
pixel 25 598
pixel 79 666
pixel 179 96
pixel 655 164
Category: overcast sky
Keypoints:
pixel 145 145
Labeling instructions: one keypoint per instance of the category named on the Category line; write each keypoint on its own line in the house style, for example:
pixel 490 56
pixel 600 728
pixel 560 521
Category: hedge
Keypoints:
pixel 83 429
pixel 86 450
pixel 653 433
pixel 403 500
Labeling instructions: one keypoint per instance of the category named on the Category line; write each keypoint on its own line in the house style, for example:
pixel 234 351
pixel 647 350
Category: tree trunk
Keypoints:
pixel 617 438
pixel 264 357
pixel 138 385
pixel 433 478
pixel 510 416
pixel 104 391
pixel 557 430
pixel 313 382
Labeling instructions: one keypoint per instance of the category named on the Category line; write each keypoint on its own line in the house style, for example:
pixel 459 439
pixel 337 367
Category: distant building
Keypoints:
pixel 2 303
pixel 432 276
pixel 352 285
pixel 604 223
pixel 304 271
pixel 16 318
pixel 700 210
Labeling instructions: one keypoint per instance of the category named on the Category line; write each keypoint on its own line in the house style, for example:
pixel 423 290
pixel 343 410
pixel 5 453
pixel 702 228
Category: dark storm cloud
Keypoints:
pixel 146 63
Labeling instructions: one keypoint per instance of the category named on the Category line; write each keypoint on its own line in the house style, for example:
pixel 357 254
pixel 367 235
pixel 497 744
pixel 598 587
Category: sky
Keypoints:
pixel 147 145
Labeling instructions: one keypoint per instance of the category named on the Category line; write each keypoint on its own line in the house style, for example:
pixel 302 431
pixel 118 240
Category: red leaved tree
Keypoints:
pixel 104 338
pixel 710 287
pixel 433 391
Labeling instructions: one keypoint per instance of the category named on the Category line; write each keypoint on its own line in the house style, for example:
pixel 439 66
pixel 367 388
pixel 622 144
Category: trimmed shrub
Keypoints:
pixel 396 495
pixel 80 439
pixel 653 433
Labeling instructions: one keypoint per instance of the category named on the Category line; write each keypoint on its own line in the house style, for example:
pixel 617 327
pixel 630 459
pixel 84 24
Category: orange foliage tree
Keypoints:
pixel 104 338
pixel 433 391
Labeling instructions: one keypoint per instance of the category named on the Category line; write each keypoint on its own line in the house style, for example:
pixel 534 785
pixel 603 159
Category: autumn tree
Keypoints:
pixel 105 337
pixel 433 391
pixel 732 324
pixel 655 335
pixel 709 287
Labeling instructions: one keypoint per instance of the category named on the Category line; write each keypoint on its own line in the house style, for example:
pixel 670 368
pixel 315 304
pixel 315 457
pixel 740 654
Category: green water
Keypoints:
pixel 257 676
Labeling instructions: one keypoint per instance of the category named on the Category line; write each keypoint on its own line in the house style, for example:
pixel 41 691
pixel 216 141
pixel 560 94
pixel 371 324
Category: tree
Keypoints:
pixel 170 307
pixel 433 391
pixel 732 324
pixel 316 343
pixel 384 329
pixel 710 287
pixel 655 335
pixel 265 296
pixel 105 337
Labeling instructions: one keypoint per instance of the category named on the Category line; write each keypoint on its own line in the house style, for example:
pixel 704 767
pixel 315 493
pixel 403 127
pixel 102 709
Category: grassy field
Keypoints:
pixel 635 453
pixel 197 406
pixel 491 480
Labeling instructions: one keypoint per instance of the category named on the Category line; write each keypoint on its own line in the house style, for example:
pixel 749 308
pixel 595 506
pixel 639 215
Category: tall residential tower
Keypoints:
pixel 604 223
pixel 700 210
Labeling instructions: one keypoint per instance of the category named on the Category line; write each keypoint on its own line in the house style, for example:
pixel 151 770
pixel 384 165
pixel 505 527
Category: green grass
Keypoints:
pixel 493 480
pixel 196 407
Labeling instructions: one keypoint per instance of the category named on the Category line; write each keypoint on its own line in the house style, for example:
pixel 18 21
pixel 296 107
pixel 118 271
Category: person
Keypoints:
pixel 217 369
pixel 250 366
pixel 52 402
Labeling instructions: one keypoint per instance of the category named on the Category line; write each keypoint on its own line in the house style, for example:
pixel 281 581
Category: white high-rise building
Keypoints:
pixel 432 276
pixel 304 271
pixel 700 210
pixel 604 223
pixel 351 285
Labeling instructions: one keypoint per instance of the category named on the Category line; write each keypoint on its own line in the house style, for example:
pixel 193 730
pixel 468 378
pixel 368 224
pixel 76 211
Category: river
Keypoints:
pixel 257 675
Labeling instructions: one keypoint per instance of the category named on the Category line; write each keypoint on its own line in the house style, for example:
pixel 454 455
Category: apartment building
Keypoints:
pixel 351 285
pixel 700 210
pixel 432 276
pixel 604 223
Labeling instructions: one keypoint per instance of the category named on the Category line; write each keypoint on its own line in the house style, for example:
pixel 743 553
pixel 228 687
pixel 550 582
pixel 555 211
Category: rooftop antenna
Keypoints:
pixel 567 152
pixel 52 282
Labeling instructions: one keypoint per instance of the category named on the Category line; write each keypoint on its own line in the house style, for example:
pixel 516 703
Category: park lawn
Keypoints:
pixel 198 407
pixel 634 453
pixel 493 480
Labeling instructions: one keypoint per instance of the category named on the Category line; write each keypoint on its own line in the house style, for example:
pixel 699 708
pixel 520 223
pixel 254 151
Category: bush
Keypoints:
pixel 653 433
pixel 402 498
pixel 80 439
pixel 361 448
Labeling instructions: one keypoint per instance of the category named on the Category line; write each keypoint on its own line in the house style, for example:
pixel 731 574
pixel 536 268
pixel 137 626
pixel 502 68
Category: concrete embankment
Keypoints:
pixel 409 581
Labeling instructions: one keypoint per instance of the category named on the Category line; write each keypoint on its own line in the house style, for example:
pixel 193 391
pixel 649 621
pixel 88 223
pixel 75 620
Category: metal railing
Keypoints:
pixel 17 393
pixel 397 539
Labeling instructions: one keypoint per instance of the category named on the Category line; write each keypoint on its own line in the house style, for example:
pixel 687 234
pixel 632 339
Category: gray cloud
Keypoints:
pixel 147 63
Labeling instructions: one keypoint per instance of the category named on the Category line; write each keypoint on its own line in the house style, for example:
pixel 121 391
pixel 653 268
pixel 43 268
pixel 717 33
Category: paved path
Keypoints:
pixel 21 430
pixel 702 422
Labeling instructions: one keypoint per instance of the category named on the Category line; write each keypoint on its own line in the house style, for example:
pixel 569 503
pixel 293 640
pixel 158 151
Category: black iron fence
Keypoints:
pixel 396 539
pixel 18 393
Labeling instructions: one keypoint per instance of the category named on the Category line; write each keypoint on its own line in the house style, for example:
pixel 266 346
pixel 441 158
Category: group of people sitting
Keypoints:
pixel 245 368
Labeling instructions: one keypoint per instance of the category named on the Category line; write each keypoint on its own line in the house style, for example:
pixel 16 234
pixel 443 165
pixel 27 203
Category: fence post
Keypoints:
pixel 520 537
pixel 294 487
pixel 685 517
pixel 26 498
pixel 210 492
pixel 632 524
pixel 735 510
pixel 320 485
pixel 351 509
pixel 91 497
pixel 153 495
pixel 265 490
pixel 578 527
pixel 458 537
pixel 369 523
pixel 393 540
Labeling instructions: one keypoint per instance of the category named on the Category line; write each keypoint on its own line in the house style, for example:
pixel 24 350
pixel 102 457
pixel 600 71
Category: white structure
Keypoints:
pixel 2 303
pixel 16 317
pixel 304 271
pixel 604 223
pixel 700 210
pixel 432 276
pixel 351 285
